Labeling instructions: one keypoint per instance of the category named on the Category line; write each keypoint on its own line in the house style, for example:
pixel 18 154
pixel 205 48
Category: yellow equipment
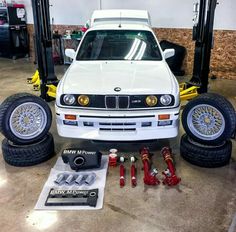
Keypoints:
pixel 52 89
pixel 187 93
pixel 34 78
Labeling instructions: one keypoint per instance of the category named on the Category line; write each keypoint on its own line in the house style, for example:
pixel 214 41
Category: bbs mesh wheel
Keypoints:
pixel 25 118
pixel 209 119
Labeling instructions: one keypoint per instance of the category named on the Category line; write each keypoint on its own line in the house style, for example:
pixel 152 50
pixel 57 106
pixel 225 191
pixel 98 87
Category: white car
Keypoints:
pixel 119 86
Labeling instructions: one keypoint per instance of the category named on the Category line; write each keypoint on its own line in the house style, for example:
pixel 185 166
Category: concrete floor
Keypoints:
pixel 205 201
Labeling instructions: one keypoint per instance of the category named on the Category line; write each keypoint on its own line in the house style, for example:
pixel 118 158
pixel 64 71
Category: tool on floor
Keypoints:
pixel 170 178
pixel 133 171
pixel 150 176
pixel 60 197
pixel 113 158
pixel 122 171
pixel 80 159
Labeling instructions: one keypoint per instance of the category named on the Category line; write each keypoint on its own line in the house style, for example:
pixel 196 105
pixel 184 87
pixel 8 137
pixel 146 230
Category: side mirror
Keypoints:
pixel 70 53
pixel 169 53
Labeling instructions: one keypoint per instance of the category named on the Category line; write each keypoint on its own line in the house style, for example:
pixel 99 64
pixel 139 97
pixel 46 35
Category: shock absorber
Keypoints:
pixel 150 176
pixel 122 172
pixel 170 177
pixel 133 171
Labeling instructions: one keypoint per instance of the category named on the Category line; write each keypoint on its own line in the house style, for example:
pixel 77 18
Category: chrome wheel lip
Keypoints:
pixel 196 132
pixel 28 110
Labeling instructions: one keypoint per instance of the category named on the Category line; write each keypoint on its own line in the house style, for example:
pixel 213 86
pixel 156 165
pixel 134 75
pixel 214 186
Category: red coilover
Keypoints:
pixel 170 178
pixel 149 179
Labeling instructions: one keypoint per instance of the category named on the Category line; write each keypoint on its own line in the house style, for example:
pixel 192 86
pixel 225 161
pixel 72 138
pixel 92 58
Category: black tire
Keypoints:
pixel 6 111
pixel 205 156
pixel 28 155
pixel 223 106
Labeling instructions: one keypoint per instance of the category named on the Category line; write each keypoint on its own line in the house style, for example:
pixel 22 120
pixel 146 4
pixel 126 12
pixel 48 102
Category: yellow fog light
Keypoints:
pixel 151 100
pixel 83 100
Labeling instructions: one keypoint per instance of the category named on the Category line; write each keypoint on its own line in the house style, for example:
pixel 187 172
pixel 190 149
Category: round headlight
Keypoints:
pixel 69 99
pixel 165 100
pixel 83 100
pixel 151 100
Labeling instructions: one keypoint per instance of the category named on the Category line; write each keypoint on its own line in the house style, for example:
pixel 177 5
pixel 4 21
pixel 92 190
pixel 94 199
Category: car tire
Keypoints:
pixel 28 155
pixel 209 119
pixel 25 118
pixel 205 156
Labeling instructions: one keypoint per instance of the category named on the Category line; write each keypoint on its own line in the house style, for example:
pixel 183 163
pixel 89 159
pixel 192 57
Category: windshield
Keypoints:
pixel 119 45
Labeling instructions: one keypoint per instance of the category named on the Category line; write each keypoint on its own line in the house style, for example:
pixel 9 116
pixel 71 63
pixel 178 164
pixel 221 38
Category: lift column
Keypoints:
pixel 43 41
pixel 203 35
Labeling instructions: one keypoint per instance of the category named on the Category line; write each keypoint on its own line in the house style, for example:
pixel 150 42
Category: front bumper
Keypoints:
pixel 116 125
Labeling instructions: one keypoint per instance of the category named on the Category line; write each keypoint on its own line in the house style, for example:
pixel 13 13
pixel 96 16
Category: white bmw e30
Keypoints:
pixel 119 86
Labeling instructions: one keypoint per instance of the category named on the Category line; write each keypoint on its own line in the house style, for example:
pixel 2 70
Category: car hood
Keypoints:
pixel 139 77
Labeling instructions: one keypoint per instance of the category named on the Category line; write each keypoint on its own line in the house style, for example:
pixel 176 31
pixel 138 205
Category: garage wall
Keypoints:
pixel 164 13
pixel 171 20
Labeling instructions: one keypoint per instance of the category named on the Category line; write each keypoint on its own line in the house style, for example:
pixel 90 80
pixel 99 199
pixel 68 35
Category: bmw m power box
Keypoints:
pixel 81 159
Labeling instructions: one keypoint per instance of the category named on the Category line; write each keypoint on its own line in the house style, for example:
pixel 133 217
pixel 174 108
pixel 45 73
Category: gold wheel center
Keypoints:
pixel 26 120
pixel 207 120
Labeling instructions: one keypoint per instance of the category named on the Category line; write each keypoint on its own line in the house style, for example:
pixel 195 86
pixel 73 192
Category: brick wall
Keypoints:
pixel 223 62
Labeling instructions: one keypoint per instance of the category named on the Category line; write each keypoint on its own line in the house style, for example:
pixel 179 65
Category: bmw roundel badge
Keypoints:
pixel 117 89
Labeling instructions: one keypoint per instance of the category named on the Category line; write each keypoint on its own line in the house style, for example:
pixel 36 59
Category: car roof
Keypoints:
pixel 123 16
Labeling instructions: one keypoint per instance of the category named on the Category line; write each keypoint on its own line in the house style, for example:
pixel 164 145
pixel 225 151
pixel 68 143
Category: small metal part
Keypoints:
pixel 70 179
pixel 154 172
pixel 167 172
pixel 113 150
pixel 80 179
pixel 132 159
pixel 60 178
pixel 90 179
pixel 122 159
